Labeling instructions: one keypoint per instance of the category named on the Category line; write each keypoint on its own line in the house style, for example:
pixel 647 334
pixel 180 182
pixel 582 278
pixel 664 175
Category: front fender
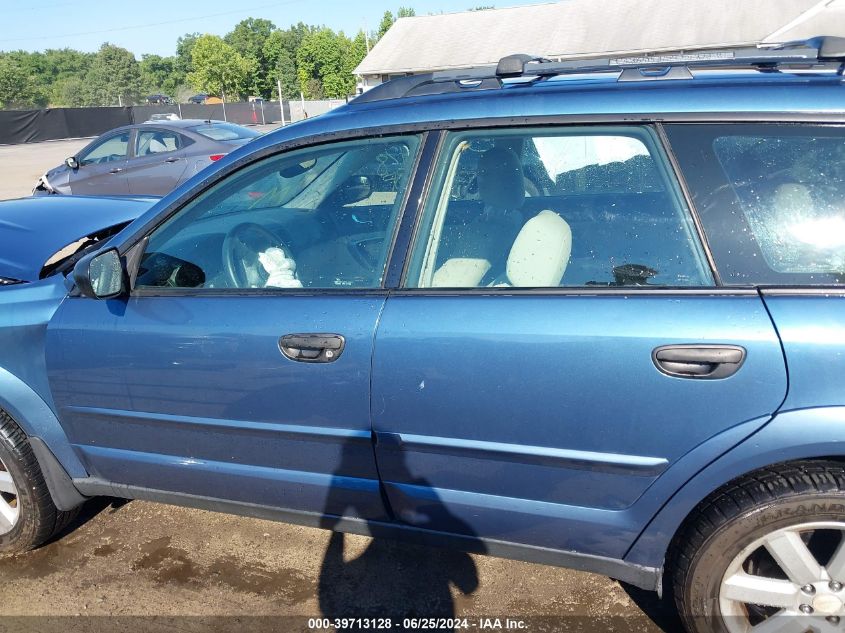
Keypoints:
pixel 36 419
pixel 790 436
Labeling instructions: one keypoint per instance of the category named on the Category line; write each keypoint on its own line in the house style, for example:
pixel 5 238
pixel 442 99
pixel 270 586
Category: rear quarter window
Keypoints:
pixel 771 199
pixel 224 132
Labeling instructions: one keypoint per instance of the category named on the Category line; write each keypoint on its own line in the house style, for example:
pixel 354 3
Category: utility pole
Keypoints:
pixel 223 93
pixel 366 36
pixel 281 105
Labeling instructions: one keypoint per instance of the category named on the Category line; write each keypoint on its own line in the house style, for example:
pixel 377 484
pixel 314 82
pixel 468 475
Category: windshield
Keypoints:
pixel 224 131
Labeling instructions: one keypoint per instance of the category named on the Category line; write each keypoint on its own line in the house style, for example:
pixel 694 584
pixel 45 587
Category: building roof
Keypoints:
pixel 579 28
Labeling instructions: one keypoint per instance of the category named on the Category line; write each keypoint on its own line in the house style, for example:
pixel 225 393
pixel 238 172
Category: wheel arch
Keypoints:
pixel 37 420
pixel 806 434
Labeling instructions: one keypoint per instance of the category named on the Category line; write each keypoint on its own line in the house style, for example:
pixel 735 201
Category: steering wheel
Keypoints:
pixel 241 247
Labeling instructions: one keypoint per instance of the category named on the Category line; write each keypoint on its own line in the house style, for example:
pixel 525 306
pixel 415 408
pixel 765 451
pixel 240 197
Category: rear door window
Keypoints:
pixel 156 142
pixel 771 199
pixel 551 207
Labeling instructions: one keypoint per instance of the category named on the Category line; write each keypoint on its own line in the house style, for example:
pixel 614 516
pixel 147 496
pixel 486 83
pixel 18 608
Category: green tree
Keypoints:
pixel 17 88
pixel 324 55
pixel 249 38
pixel 405 12
pixel 69 92
pixel 387 21
pixel 356 53
pixel 280 52
pixel 284 71
pixel 184 47
pixel 114 77
pixel 159 75
pixel 219 68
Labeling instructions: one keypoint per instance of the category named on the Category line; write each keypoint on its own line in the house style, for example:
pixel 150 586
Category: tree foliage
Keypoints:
pixel 250 60
pixel 17 88
pixel 249 38
pixel 113 78
pixel 218 68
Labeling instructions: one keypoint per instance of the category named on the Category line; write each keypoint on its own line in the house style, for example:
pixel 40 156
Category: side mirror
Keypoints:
pixel 72 162
pixel 100 275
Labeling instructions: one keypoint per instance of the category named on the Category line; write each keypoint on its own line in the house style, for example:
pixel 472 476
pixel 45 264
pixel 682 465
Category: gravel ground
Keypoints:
pixel 151 567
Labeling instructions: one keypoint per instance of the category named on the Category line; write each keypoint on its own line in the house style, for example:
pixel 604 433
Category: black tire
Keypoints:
pixel 735 517
pixel 38 518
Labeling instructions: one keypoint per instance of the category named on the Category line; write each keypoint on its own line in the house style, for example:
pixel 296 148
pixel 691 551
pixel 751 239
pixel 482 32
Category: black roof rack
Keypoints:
pixel 814 52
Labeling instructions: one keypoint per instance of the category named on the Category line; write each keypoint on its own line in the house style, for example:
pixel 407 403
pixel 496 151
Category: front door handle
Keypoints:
pixel 172 159
pixel 116 170
pixel 709 362
pixel 312 348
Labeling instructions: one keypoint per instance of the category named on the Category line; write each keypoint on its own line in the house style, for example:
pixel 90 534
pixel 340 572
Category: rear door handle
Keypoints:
pixel 116 170
pixel 312 348
pixel 172 159
pixel 709 362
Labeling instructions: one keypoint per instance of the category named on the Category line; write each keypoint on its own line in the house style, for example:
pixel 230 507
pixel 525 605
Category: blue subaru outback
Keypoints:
pixel 586 313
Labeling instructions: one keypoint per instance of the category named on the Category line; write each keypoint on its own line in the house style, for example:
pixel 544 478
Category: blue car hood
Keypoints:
pixel 34 229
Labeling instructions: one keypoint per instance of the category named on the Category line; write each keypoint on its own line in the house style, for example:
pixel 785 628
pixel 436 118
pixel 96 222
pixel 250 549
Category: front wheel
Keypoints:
pixel 766 554
pixel 28 516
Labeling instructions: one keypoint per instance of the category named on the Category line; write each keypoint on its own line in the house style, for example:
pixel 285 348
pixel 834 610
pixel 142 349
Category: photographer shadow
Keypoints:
pixel 392 579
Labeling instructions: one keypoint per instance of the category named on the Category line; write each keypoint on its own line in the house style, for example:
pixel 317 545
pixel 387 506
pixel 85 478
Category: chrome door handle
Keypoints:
pixel 699 361
pixel 116 170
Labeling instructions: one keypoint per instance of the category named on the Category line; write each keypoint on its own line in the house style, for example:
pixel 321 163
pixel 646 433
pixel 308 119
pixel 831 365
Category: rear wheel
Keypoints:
pixel 28 516
pixel 766 554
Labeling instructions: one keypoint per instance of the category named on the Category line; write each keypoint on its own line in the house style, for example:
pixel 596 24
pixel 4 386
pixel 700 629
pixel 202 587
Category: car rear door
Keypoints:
pixel 239 367
pixel 158 161
pixel 771 198
pixel 560 343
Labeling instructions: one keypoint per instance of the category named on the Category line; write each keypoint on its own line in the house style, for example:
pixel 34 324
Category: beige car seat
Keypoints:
pixel 540 254
pixel 538 258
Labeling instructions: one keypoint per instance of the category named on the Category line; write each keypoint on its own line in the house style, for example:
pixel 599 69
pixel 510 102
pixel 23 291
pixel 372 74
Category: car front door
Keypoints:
pixel 560 343
pixel 102 167
pixel 239 366
pixel 157 163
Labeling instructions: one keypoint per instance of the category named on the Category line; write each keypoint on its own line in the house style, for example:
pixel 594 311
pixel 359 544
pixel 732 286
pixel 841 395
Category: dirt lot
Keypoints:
pixel 220 572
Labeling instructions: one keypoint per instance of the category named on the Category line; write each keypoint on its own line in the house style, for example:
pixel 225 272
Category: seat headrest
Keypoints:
pixel 793 198
pixel 500 179
pixel 540 253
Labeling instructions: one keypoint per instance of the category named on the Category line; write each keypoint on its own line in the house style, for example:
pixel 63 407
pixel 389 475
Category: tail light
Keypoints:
pixel 215 157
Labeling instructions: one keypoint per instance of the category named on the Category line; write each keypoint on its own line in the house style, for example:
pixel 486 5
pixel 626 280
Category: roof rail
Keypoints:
pixel 813 52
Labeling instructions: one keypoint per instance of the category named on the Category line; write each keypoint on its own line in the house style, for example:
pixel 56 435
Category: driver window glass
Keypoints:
pixel 550 207
pixel 112 149
pixel 321 217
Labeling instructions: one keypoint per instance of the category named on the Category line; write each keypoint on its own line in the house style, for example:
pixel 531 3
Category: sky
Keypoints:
pixel 152 26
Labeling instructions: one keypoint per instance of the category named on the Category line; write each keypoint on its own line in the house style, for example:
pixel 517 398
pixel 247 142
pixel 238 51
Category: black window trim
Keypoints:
pixel 136 236
pixel 661 143
pixel 792 119
pixel 131 254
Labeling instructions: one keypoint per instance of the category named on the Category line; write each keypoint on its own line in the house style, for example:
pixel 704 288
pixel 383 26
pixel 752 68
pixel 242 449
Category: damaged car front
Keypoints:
pixel 40 241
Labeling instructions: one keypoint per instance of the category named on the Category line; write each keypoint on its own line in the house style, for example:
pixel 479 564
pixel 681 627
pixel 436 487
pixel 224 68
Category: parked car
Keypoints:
pixel 590 314
pixel 149 158
pixel 160 99
pixel 198 99
pixel 163 116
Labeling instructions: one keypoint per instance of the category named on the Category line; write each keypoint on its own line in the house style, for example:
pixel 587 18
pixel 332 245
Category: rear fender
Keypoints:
pixel 790 436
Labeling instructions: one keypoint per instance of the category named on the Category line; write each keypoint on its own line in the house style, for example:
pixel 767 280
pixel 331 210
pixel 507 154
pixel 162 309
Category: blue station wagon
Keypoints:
pixel 586 313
